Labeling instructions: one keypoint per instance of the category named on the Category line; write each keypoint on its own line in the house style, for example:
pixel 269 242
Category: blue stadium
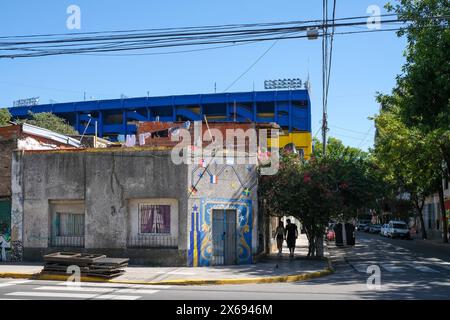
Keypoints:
pixel 291 109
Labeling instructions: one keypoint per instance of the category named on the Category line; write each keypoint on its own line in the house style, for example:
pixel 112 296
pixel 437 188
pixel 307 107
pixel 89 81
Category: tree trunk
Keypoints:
pixel 422 223
pixel 444 216
pixel 319 245
pixel 419 208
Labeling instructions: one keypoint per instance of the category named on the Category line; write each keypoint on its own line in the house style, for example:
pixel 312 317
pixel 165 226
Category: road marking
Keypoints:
pixel 186 273
pixel 392 268
pixel 94 289
pixel 141 291
pixel 74 288
pixel 20 281
pixel 115 285
pixel 52 294
pixel 153 286
pixel 116 297
pixel 360 267
pixel 424 268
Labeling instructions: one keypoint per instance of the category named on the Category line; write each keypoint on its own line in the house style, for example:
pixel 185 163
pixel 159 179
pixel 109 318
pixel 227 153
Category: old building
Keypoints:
pixel 136 203
pixel 20 137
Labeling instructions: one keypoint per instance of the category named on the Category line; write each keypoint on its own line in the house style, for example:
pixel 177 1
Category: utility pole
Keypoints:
pixel 324 74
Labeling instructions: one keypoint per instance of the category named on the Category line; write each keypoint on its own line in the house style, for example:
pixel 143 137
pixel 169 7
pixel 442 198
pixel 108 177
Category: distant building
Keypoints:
pixel 290 109
pixel 433 215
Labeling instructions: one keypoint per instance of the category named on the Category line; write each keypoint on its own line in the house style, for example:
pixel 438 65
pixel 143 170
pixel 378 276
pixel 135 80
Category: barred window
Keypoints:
pixel 69 224
pixel 154 219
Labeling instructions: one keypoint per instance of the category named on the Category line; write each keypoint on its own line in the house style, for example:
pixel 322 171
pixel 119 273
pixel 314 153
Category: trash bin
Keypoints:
pixel 339 239
pixel 350 234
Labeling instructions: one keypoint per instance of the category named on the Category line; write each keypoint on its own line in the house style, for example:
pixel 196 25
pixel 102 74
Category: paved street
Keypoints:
pixel 406 272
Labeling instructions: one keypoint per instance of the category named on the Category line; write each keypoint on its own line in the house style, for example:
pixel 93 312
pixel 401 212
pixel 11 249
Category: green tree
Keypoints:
pixel 407 158
pixel 5 116
pixel 320 189
pixel 52 122
pixel 422 92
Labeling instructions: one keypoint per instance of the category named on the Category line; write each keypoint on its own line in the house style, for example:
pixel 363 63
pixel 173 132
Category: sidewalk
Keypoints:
pixel 269 269
pixel 433 242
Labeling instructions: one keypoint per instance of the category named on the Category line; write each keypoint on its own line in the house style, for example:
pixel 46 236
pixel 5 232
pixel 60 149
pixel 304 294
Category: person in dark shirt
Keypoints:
pixel 291 236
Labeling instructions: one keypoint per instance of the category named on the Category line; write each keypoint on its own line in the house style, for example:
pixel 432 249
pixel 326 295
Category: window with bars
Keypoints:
pixel 154 219
pixel 67 229
pixel 69 224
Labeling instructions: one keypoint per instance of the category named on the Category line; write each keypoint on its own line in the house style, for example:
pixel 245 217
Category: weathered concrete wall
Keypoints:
pixel 6 149
pixel 17 208
pixel 112 184
pixel 106 181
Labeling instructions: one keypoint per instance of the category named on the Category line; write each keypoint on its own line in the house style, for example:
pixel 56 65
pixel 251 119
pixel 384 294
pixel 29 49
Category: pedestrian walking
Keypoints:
pixel 279 236
pixel 291 237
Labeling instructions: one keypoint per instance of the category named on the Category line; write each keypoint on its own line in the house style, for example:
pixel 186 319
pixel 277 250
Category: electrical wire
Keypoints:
pixel 175 37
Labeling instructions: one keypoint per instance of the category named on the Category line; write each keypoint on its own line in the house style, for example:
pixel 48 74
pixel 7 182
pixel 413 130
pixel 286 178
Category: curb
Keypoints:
pixel 181 282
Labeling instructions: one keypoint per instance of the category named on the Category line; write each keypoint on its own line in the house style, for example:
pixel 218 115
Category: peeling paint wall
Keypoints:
pixel 17 209
pixel 107 182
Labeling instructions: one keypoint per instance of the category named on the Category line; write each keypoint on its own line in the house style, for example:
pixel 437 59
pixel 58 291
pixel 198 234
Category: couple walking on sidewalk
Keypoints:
pixel 290 234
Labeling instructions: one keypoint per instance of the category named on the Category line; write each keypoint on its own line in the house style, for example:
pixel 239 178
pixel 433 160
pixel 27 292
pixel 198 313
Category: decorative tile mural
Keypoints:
pixel 200 249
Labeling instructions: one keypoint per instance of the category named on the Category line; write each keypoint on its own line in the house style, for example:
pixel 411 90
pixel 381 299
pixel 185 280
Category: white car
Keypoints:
pixel 384 229
pixel 398 229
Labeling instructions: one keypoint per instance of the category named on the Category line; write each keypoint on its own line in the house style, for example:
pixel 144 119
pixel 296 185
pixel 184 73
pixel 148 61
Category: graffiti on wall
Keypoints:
pixel 16 252
pixel 5 230
pixel 201 244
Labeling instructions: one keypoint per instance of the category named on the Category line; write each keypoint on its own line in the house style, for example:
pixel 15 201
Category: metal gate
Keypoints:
pixel 224 237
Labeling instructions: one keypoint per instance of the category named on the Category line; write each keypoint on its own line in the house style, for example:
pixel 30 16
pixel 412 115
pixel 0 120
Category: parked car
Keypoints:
pixel 375 228
pixel 361 226
pixel 383 230
pixel 398 229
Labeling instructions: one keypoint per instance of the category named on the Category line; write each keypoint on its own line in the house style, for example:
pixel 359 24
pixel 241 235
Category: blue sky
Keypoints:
pixel 362 64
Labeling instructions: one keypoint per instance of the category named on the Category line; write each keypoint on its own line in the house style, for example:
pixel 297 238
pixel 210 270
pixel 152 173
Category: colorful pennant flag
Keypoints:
pixel 246 192
pixel 192 190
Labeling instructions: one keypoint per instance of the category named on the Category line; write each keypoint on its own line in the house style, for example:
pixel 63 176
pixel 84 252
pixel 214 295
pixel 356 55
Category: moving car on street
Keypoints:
pixel 398 229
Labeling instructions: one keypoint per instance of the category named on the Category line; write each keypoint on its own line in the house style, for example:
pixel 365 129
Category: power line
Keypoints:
pixel 345 129
pixel 251 66
pixel 365 137
pixel 200 36
pixel 186 28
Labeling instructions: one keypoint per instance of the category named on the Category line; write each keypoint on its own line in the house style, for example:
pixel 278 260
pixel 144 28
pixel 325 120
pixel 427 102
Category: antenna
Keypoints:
pixel 85 129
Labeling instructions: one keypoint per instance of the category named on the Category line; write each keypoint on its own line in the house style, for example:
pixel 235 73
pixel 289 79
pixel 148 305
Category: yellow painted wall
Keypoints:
pixel 301 140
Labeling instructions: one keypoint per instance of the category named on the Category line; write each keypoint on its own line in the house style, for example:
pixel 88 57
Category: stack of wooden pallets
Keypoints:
pixel 96 265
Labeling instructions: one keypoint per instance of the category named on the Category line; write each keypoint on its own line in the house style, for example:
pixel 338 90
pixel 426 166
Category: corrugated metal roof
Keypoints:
pixel 48 134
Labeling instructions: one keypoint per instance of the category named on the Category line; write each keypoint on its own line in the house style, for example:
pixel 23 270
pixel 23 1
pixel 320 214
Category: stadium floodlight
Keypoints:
pixel 283 84
pixel 26 102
